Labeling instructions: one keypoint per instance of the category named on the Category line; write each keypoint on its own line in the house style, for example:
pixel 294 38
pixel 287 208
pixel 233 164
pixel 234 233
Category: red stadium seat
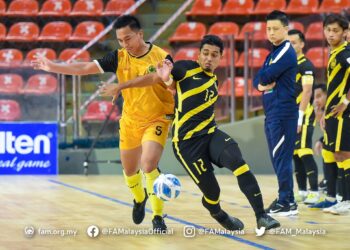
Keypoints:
pixel 23 32
pixel 315 31
pixel 264 7
pixel 187 54
pixel 302 7
pixel 56 32
pixel 2 8
pixel 259 29
pixel 10 57
pixel 67 54
pixel 2 32
pixel 56 8
pixel 335 6
pixel 44 52
pixel 98 111
pixel 318 56
pixel 225 88
pixel 226 57
pixel 296 25
pixel 9 110
pixel 23 8
pixel 189 32
pixel 224 29
pixel 117 7
pixel 205 8
pixel 87 8
pixel 256 57
pixel 10 83
pixel 237 7
pixel 41 84
pixel 86 31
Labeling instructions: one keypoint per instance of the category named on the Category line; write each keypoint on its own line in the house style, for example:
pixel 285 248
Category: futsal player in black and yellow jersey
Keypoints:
pixel 337 110
pixel 197 142
pixel 144 124
pixel 304 162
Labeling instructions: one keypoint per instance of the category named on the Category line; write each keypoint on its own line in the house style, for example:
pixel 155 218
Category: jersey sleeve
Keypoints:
pixel 108 63
pixel 179 70
pixel 307 73
pixel 345 59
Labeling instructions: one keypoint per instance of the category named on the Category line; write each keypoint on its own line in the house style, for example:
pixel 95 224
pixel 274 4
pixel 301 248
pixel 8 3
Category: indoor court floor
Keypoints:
pixel 61 208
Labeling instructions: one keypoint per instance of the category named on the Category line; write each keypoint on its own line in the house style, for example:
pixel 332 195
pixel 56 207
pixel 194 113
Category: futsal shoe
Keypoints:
pixel 334 207
pixel 277 209
pixel 159 224
pixel 138 212
pixel 342 209
pixel 268 222
pixel 323 204
pixel 227 221
pixel 300 196
pixel 312 198
pixel 293 208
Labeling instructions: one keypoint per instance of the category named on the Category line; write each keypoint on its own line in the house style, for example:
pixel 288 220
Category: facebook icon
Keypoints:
pixel 93 231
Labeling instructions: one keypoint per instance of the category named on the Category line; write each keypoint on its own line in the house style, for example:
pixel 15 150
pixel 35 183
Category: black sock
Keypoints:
pixel 330 174
pixel 300 173
pixel 250 188
pixel 341 182
pixel 347 185
pixel 213 208
pixel 311 171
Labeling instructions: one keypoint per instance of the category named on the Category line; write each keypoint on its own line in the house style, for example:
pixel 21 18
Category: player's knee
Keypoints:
pixel 231 157
pixel 148 164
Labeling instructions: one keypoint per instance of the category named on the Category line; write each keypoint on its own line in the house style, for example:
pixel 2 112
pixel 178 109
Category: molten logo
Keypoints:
pixel 24 144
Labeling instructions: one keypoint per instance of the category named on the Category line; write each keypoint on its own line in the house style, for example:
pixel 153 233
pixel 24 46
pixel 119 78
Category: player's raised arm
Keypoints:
pixel 162 75
pixel 81 68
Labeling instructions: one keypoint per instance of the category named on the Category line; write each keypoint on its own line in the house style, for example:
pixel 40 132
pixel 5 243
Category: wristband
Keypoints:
pixel 301 116
pixel 169 82
pixel 346 101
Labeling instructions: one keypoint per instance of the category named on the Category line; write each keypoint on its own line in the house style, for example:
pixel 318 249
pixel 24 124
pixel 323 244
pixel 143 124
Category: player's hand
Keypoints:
pixel 318 147
pixel 164 69
pixel 299 129
pixel 110 89
pixel 266 87
pixel 323 122
pixel 337 110
pixel 41 62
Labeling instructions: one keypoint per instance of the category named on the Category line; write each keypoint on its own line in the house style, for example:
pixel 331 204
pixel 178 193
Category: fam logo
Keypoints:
pixel 151 69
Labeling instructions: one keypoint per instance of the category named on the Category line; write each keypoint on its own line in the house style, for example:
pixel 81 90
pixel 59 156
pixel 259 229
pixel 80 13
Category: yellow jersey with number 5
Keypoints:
pixel 140 104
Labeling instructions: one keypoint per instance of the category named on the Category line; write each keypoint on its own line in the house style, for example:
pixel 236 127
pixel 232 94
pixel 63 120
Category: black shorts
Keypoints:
pixel 304 138
pixel 337 136
pixel 197 154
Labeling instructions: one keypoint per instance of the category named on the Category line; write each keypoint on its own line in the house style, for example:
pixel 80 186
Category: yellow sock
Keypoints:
pixel 156 203
pixel 135 185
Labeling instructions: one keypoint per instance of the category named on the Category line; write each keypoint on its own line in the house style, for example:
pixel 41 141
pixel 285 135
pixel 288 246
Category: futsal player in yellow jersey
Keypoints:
pixel 144 124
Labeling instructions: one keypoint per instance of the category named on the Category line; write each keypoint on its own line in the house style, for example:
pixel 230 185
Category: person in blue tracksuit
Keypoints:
pixel 276 81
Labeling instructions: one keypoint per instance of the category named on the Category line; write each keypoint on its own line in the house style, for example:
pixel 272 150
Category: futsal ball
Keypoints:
pixel 167 187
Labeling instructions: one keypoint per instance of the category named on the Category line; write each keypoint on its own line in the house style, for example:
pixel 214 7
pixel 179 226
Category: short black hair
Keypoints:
pixel 321 86
pixel 127 20
pixel 278 15
pixel 212 40
pixel 297 32
pixel 336 18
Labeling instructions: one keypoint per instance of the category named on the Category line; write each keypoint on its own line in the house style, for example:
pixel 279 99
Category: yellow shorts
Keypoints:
pixel 133 134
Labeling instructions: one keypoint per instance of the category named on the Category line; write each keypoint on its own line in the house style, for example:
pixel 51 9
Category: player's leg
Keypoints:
pixel 330 166
pixel 300 176
pixel 306 155
pixel 281 135
pixel 130 153
pixel 192 154
pixel 153 142
pixel 342 156
pixel 225 153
